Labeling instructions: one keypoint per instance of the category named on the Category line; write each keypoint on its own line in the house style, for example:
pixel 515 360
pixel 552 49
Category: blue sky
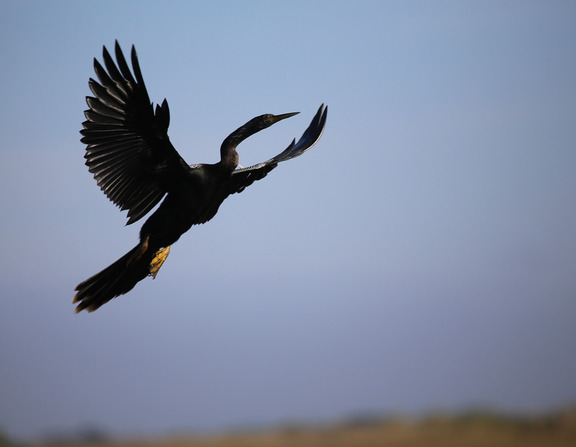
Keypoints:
pixel 422 256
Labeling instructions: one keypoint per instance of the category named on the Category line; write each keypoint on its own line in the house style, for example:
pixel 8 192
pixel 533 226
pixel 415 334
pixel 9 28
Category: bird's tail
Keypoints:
pixel 119 277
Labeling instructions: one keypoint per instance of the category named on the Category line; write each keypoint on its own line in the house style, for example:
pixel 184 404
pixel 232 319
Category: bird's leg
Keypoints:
pixel 158 260
pixel 143 249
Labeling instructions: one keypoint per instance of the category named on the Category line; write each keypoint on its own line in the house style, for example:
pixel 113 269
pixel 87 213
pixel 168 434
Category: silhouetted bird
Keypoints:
pixel 135 165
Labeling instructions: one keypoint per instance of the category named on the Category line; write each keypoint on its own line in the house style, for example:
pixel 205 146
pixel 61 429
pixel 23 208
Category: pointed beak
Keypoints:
pixel 277 118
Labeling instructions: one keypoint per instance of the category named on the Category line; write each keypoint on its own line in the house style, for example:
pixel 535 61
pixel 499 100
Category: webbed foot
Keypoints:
pixel 158 260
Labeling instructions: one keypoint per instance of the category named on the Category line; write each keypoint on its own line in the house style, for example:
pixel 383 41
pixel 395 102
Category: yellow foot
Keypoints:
pixel 138 255
pixel 158 260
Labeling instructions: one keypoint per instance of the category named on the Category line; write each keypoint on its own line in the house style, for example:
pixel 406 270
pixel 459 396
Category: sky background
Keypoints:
pixel 421 256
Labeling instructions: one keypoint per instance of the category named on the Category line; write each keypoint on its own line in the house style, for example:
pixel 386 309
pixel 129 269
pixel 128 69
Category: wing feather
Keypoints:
pixel 127 146
pixel 244 177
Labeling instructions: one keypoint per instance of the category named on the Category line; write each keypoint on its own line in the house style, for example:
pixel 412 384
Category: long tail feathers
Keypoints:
pixel 119 277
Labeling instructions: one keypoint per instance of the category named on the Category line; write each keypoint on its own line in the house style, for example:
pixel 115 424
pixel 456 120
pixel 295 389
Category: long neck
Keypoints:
pixel 228 155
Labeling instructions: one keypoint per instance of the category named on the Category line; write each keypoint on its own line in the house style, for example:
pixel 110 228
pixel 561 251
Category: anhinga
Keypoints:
pixel 135 165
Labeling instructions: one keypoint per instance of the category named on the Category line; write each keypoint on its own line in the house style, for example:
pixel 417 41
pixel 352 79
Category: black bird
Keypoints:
pixel 135 165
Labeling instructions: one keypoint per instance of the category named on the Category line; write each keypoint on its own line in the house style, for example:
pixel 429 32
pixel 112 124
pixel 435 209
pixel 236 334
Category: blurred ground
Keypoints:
pixel 474 429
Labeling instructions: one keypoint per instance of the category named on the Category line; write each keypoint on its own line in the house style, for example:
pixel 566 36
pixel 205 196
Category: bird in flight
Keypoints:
pixel 135 164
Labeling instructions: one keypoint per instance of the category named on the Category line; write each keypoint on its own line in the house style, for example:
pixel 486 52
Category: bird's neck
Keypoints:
pixel 228 155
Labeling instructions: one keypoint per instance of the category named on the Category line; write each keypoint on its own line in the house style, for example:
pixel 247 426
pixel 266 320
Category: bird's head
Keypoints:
pixel 264 121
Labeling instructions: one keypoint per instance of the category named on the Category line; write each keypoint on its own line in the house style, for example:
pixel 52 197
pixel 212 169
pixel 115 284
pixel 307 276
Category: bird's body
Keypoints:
pixel 136 166
pixel 195 199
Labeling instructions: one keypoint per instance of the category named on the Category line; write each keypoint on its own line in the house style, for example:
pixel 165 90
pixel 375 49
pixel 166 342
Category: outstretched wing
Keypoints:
pixel 243 177
pixel 128 149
